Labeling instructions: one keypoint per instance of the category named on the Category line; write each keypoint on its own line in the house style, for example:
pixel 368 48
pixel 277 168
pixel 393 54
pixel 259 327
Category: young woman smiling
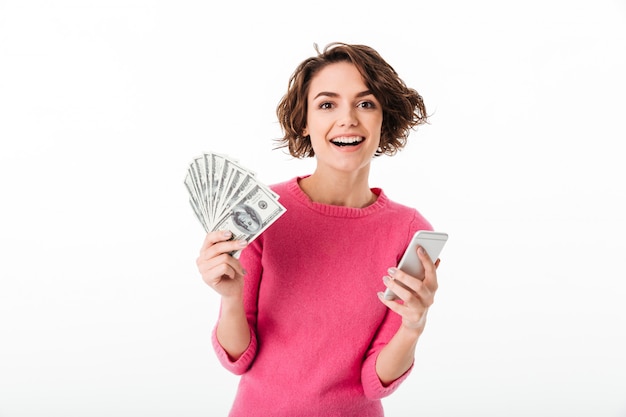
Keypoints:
pixel 302 316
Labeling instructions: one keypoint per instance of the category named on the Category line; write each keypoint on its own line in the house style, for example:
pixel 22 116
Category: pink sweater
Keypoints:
pixel 317 325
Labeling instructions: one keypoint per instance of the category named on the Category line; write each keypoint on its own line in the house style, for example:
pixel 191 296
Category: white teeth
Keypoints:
pixel 348 139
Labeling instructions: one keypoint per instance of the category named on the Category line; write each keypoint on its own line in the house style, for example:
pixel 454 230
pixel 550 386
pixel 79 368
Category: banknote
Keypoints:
pixel 224 195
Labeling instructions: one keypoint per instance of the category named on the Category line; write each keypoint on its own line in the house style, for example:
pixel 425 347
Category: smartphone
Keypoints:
pixel 432 242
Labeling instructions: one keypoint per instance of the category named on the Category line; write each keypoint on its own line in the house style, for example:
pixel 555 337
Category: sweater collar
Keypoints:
pixel 336 211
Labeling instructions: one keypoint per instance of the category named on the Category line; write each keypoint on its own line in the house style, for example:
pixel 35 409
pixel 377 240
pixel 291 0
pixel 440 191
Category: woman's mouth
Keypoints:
pixel 347 140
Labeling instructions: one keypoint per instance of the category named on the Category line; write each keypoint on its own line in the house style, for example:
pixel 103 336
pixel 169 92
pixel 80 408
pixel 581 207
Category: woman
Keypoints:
pixel 300 318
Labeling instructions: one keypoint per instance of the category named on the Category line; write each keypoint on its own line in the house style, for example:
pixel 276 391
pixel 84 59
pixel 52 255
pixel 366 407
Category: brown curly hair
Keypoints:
pixel 403 107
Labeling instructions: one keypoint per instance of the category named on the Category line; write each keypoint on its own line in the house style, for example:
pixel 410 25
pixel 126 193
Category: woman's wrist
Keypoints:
pixel 411 330
pixel 232 303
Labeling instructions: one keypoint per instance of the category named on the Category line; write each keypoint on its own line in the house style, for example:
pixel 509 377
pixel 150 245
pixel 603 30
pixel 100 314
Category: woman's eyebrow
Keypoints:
pixel 326 94
pixel 331 94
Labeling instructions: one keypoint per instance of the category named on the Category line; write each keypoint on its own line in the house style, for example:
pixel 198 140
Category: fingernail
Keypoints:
pixel 227 233
pixel 421 250
pixel 386 279
pixel 381 295
pixel 391 271
pixel 242 243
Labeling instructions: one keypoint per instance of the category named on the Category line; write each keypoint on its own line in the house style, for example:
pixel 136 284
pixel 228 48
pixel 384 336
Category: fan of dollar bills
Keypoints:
pixel 226 196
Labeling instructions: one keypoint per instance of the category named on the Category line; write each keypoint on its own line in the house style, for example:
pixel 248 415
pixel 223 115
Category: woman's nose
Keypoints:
pixel 348 117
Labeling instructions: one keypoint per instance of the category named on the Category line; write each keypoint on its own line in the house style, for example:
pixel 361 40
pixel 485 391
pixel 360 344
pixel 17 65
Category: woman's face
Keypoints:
pixel 344 119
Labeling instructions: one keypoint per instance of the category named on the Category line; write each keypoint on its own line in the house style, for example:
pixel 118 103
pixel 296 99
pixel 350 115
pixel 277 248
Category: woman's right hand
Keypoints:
pixel 219 270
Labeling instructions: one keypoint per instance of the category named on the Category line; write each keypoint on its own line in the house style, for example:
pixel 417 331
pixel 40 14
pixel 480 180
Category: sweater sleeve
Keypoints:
pixel 241 365
pixel 251 261
pixel 372 386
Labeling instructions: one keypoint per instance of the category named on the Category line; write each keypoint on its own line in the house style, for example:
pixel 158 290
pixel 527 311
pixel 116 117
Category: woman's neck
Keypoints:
pixel 350 190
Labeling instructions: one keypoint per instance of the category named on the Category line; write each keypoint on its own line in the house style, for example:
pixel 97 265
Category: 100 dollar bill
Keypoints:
pixel 251 214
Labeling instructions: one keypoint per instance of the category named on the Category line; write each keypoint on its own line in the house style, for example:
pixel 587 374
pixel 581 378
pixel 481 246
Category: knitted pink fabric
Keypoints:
pixel 317 325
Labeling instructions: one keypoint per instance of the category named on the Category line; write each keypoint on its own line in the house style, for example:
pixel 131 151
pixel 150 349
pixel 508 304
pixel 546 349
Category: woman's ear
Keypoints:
pixel 305 132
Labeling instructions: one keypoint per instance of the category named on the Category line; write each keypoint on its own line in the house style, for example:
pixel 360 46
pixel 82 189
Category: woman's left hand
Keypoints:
pixel 417 293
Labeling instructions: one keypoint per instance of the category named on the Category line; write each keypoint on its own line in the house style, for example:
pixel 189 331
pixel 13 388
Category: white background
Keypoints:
pixel 104 103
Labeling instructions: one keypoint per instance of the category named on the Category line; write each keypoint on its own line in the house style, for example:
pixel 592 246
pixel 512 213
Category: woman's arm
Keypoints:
pixel 397 356
pixel 417 296
pixel 233 331
pixel 225 274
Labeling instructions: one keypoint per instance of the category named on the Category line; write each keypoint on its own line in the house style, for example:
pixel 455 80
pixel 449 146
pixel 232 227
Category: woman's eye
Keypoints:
pixel 326 105
pixel 366 105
